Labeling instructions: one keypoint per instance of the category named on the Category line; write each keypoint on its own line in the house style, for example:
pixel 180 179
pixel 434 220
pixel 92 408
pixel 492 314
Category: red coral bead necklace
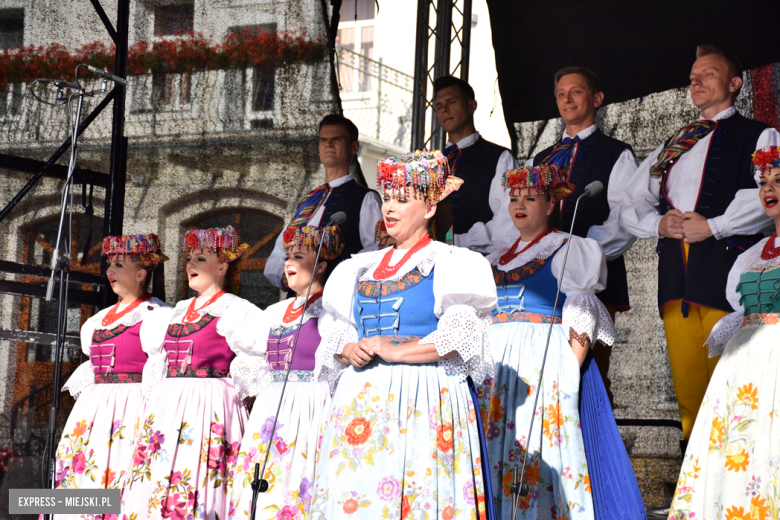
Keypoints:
pixel 770 251
pixel 193 313
pixel 384 271
pixel 114 315
pixel 511 254
pixel 292 314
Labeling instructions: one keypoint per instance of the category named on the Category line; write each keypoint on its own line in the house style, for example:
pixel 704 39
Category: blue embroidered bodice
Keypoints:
pixel 529 288
pixel 402 307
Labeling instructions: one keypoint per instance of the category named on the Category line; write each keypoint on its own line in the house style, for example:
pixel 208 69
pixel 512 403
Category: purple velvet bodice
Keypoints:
pixel 117 350
pixel 197 345
pixel 280 347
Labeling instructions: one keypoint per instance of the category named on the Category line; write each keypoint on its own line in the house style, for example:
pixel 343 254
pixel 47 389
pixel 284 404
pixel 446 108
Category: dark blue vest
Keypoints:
pixel 477 167
pixel 728 168
pixel 347 198
pixel 595 158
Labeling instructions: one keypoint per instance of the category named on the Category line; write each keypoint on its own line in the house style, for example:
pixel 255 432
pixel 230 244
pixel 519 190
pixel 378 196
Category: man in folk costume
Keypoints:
pixel 479 215
pixel 338 144
pixel 697 194
pixel 590 155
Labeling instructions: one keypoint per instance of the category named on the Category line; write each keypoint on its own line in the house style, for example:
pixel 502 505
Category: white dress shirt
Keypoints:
pixel 639 212
pixel 500 228
pixel 611 236
pixel 370 214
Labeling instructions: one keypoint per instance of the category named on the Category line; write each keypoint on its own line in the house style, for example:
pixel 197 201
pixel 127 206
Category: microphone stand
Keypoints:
pixel 259 484
pixel 519 486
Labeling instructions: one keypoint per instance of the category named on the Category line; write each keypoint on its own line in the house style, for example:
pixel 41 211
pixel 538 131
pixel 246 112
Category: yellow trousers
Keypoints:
pixel 691 365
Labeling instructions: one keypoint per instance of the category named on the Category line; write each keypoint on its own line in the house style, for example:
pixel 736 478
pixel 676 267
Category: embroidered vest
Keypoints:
pixel 117 350
pixel 727 169
pixel 595 157
pixel 280 343
pixel 197 345
pixel 347 198
pixel 760 291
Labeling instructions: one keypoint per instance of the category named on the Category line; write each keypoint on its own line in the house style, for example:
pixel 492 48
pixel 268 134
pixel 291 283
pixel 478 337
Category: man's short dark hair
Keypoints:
pixel 339 120
pixel 734 66
pixel 591 79
pixel 451 81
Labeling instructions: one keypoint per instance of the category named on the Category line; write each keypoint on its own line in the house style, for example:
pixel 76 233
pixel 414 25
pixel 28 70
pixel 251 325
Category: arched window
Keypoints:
pixel 257 228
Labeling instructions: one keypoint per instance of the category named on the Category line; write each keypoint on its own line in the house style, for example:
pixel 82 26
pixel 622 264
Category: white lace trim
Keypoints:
pixel 81 379
pixel 426 256
pixel 154 372
pixel 275 315
pixel 753 260
pixel 543 250
pixel 326 367
pixel 463 330
pixel 251 374
pixel 131 318
pixel 722 332
pixel 584 313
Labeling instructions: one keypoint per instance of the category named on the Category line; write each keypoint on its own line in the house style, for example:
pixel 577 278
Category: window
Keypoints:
pixel 11 28
pixel 170 19
pixel 360 9
pixel 173 89
pixel 256 228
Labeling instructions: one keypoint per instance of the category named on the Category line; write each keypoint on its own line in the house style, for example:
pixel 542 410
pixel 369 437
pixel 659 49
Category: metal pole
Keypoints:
pixel 420 75
pixel 441 64
pixel 379 101
pixel 465 49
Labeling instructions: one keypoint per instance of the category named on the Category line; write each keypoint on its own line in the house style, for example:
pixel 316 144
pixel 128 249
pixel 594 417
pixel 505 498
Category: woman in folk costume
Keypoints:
pixel 527 276
pixel 97 440
pixel 195 382
pixel 290 469
pixel 731 468
pixel 403 329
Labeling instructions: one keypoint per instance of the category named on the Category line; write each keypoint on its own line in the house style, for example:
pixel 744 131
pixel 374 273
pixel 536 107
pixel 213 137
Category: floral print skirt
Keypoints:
pixel 97 441
pixel 188 437
pixel 732 464
pixel 290 469
pixel 557 470
pixel 401 441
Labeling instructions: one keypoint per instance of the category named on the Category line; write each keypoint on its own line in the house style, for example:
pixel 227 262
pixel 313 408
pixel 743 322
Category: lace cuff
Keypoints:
pixel 585 314
pixel 154 372
pixel 326 367
pixel 463 330
pixel 723 331
pixel 81 379
pixel 250 374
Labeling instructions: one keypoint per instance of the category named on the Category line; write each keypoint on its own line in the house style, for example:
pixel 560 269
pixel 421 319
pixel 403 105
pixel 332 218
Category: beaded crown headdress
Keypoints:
pixel 545 178
pixel 222 241
pixel 147 247
pixel 766 156
pixel 427 172
pixel 302 237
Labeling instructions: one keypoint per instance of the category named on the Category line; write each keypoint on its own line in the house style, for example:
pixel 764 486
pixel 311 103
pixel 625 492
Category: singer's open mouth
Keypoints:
pixel 770 202
pixel 193 275
pixel 390 222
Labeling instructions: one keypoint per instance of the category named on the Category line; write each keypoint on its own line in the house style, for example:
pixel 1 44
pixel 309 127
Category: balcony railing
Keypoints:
pixel 377 98
pixel 207 103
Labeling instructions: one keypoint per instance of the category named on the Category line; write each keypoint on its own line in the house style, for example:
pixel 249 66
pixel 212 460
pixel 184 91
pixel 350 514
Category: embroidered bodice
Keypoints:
pixel 529 288
pixel 280 343
pixel 197 345
pixel 117 350
pixel 402 307
pixel 760 291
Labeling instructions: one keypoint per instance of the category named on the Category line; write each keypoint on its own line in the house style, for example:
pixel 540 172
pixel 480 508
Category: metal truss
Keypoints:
pixel 443 29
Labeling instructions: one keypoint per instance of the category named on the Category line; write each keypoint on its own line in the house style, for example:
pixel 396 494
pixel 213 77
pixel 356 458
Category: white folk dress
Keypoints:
pixel 290 470
pixel 195 382
pixel 731 468
pixel 402 440
pixel 97 441
pixel 557 469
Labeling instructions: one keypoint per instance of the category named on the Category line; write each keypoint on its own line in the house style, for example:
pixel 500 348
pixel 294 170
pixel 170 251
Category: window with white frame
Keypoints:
pixel 356 37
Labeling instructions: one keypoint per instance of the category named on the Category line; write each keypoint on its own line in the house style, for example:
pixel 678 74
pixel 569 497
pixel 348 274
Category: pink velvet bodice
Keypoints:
pixel 197 345
pixel 117 350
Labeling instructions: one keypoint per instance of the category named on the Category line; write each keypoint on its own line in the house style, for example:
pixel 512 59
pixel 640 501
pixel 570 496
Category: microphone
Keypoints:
pixel 519 486
pixel 61 83
pixel 339 217
pixel 107 75
pixel 259 484
pixel 593 189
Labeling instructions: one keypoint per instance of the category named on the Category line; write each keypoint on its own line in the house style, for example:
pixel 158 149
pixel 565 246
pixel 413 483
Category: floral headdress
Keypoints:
pixel 427 172
pixel 766 156
pixel 545 178
pixel 308 237
pixel 223 242
pixel 381 236
pixel 146 247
